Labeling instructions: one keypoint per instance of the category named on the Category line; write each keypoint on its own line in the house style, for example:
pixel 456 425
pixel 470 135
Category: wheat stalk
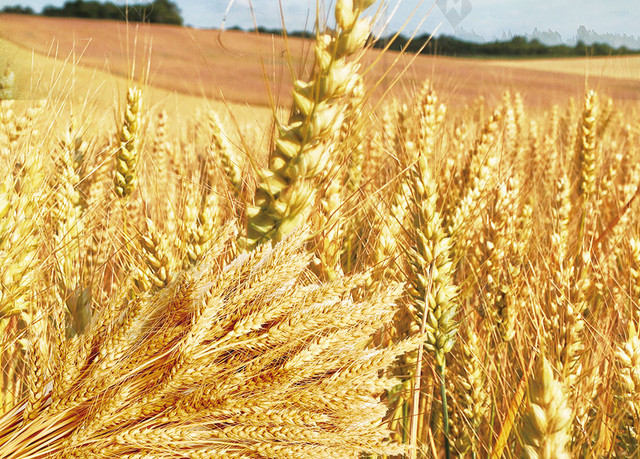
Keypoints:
pixel 127 156
pixel 130 392
pixel 286 190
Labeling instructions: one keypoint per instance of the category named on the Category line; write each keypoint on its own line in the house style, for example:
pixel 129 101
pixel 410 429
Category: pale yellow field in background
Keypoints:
pixel 93 91
pixel 621 67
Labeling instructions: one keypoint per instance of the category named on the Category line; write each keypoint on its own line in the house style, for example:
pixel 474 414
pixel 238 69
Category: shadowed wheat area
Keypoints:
pixel 447 271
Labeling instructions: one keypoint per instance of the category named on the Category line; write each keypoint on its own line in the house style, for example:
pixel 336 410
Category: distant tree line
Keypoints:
pixel 446 45
pixel 167 12
pixel 518 46
pixel 158 11
pixel 17 9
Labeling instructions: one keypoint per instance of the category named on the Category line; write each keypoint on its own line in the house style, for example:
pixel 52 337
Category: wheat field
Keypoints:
pixel 184 64
pixel 621 67
pixel 363 277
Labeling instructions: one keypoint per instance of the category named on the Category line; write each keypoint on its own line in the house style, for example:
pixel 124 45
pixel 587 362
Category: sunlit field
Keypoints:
pixel 259 70
pixel 621 68
pixel 270 248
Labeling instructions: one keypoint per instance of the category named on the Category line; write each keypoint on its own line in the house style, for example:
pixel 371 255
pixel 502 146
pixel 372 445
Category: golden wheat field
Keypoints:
pixel 357 276
pixel 622 67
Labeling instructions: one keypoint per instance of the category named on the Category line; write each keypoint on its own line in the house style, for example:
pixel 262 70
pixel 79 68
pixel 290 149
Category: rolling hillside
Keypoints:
pixel 235 65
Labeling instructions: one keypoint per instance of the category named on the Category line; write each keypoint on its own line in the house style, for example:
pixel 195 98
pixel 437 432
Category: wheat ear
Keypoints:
pixel 546 431
pixel 286 190
pixel 126 158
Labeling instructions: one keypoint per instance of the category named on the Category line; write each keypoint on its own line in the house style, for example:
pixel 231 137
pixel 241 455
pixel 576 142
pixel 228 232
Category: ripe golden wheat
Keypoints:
pixel 409 279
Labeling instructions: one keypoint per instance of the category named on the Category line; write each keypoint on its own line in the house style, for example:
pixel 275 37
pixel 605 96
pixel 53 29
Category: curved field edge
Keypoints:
pixel 93 91
pixel 256 69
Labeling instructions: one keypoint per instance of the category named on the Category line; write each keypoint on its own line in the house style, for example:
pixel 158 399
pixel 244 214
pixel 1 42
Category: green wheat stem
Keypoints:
pixel 445 411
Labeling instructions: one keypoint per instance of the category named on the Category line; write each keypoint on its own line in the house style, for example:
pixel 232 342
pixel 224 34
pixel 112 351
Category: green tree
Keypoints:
pixel 17 9
pixel 165 12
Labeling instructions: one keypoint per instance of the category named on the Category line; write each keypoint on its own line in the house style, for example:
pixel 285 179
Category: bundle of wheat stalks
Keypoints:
pixel 247 359
pixel 400 280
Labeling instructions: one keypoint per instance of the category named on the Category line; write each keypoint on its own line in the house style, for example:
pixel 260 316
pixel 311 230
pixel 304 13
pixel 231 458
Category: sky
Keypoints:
pixel 488 18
